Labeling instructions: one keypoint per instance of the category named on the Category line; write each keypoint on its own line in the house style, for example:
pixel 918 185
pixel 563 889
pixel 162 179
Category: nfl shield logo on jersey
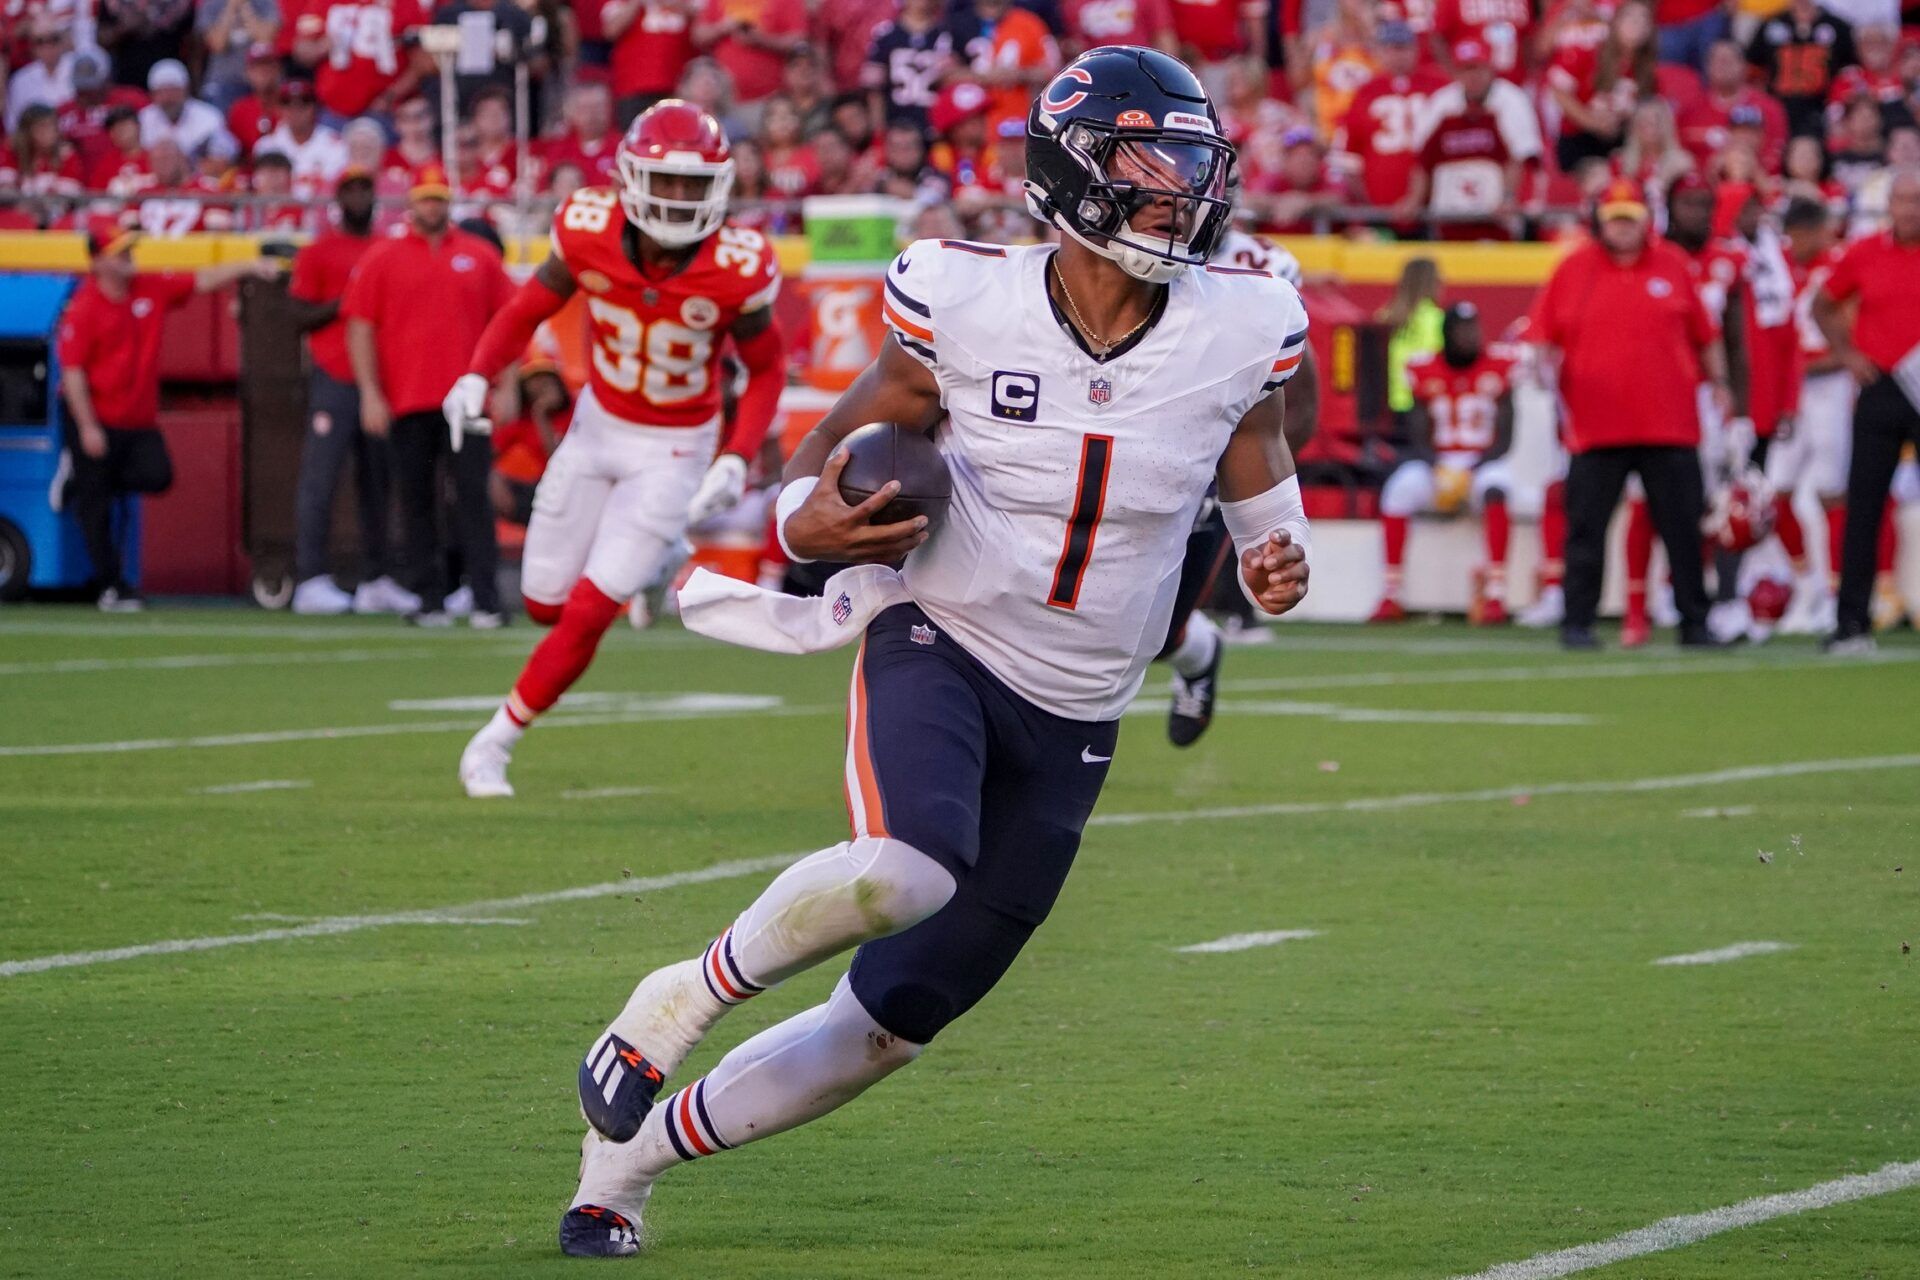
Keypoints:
pixel 842 610
pixel 920 635
pixel 1099 391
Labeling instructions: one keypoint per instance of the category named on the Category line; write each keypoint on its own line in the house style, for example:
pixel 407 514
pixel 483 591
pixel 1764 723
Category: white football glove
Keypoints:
pixel 724 485
pixel 466 409
pixel 1740 440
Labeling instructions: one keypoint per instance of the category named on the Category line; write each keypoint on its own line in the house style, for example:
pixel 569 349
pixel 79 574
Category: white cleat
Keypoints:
pixel 483 768
pixel 604 1219
pixel 1547 610
pixel 459 602
pixel 1660 605
pixel 320 595
pixel 1729 621
pixel 384 595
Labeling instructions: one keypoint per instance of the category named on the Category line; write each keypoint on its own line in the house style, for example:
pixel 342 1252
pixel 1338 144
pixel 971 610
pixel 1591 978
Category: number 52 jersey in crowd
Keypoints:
pixel 1075 480
pixel 655 342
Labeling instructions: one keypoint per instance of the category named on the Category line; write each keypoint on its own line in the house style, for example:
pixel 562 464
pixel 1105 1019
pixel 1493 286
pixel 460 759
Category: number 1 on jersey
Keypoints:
pixel 1089 501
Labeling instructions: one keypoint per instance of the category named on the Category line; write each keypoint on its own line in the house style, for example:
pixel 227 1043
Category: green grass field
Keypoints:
pixel 1475 1061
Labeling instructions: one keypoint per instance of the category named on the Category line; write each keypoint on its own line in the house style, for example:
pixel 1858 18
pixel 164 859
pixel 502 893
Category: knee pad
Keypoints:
pixel 540 612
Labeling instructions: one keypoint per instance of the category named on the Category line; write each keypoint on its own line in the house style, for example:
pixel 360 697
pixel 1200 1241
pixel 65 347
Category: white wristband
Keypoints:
pixel 1251 520
pixel 792 494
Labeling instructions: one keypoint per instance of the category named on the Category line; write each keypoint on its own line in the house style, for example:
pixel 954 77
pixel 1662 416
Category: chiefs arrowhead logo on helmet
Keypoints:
pixel 1742 514
pixel 676 173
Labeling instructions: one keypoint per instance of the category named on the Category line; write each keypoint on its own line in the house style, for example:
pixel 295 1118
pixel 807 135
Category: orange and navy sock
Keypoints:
pixel 722 972
pixel 688 1126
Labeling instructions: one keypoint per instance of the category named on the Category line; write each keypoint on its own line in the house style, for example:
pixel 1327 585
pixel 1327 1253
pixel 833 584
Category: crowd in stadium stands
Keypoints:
pixel 1458 119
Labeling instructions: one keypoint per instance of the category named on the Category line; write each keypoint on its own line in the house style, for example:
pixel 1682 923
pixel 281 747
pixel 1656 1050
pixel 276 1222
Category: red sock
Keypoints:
pixel 1793 539
pixel 539 611
pixel 1497 530
pixel 1836 538
pixel 1889 541
pixel 1639 556
pixel 563 653
pixel 1395 528
pixel 1553 535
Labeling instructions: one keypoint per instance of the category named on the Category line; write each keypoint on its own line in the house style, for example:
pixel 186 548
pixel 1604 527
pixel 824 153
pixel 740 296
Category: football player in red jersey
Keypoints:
pixel 1719 273
pixel 668 282
pixel 1462 427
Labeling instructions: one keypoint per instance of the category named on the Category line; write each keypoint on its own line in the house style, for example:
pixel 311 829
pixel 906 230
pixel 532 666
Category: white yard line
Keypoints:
pixel 609 793
pixel 328 926
pixel 1720 955
pixel 381 731
pixel 636 702
pixel 1700 666
pixel 199 661
pixel 1672 1233
pixel 1419 799
pixel 1248 941
pixel 749 866
pixel 391 628
pixel 244 788
pixel 1727 811
pixel 1342 714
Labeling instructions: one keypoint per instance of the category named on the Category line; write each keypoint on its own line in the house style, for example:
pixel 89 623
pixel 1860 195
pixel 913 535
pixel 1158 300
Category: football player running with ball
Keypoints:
pixel 667 283
pixel 1092 394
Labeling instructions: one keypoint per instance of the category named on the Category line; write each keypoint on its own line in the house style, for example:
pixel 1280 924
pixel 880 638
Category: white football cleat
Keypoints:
pixel 384 595
pixel 1547 609
pixel 320 595
pixel 483 768
pixel 1660 606
pixel 459 601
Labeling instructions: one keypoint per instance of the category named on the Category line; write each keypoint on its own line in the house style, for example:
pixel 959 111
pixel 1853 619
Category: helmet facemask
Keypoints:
pixel 674 220
pixel 1178 178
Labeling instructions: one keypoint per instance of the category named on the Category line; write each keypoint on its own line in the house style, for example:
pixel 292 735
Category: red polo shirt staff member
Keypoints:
pixel 1881 348
pixel 109 348
pixel 1621 318
pixel 415 309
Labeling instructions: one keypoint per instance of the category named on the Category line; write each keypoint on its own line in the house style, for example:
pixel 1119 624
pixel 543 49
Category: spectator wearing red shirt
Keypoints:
pixel 1705 122
pixel 415 308
pixel 1623 323
pixel 751 40
pixel 1465 167
pixel 122 167
pixel 37 161
pixel 109 349
pixel 1880 346
pixel 652 44
pixel 356 53
pixel 845 30
pixel 590 140
pixel 333 436
pixel 1503 26
pixel 1213 32
pixel 964 154
pixel 1304 192
pixel 1875 78
pixel 1689 29
pixel 175 203
pixel 1389 116
pixel 83 120
pixel 1797 54
pixel 791 169
pixel 256 113
pixel 276 210
pixel 499 158
pixel 1091 23
pixel 1596 90
pixel 413 151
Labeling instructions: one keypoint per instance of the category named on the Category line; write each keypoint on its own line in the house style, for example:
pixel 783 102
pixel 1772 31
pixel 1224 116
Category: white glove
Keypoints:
pixel 466 408
pixel 1740 438
pixel 724 484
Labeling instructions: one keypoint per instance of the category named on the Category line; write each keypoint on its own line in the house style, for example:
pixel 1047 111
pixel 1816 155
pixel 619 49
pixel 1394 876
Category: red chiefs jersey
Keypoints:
pixel 1383 129
pixel 1462 404
pixel 1807 279
pixel 1718 266
pixel 1500 25
pixel 85 126
pixel 364 55
pixel 656 343
pixel 182 210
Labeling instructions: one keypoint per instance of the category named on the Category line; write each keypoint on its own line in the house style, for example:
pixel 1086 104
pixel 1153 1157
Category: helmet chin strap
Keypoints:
pixel 1137 263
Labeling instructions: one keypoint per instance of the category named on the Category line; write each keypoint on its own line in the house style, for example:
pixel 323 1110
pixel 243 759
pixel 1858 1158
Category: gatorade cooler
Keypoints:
pixel 850 240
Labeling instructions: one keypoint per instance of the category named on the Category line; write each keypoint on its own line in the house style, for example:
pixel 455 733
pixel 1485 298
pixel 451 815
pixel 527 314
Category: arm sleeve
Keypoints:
pixel 766 286
pixel 765 355
pixel 512 328
pixel 908 305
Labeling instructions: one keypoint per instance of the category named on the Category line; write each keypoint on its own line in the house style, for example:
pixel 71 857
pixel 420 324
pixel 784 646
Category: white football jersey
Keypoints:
pixel 1075 480
pixel 1244 249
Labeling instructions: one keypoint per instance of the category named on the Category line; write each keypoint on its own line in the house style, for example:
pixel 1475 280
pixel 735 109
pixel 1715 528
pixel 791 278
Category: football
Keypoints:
pixel 884 451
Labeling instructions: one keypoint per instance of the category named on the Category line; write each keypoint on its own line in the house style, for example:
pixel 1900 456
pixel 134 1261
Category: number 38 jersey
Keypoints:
pixel 1075 480
pixel 655 343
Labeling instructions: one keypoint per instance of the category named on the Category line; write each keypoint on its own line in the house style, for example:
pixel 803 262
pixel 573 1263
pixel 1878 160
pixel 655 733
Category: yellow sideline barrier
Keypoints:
pixel 1328 257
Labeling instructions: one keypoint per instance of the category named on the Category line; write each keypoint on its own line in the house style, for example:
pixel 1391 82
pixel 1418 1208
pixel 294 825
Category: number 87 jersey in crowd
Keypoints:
pixel 1076 478
pixel 656 342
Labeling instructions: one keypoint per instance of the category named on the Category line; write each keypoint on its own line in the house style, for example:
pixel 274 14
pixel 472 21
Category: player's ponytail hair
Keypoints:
pixel 1419 282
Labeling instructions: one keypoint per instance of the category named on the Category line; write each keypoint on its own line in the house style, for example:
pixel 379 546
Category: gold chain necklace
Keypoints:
pixel 1087 329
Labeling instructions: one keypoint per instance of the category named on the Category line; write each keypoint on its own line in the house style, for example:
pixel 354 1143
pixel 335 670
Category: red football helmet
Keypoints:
pixel 1768 599
pixel 1742 514
pixel 677 141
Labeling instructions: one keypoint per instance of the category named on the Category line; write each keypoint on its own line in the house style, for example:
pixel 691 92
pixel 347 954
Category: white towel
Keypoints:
pixel 737 612
pixel 1907 375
